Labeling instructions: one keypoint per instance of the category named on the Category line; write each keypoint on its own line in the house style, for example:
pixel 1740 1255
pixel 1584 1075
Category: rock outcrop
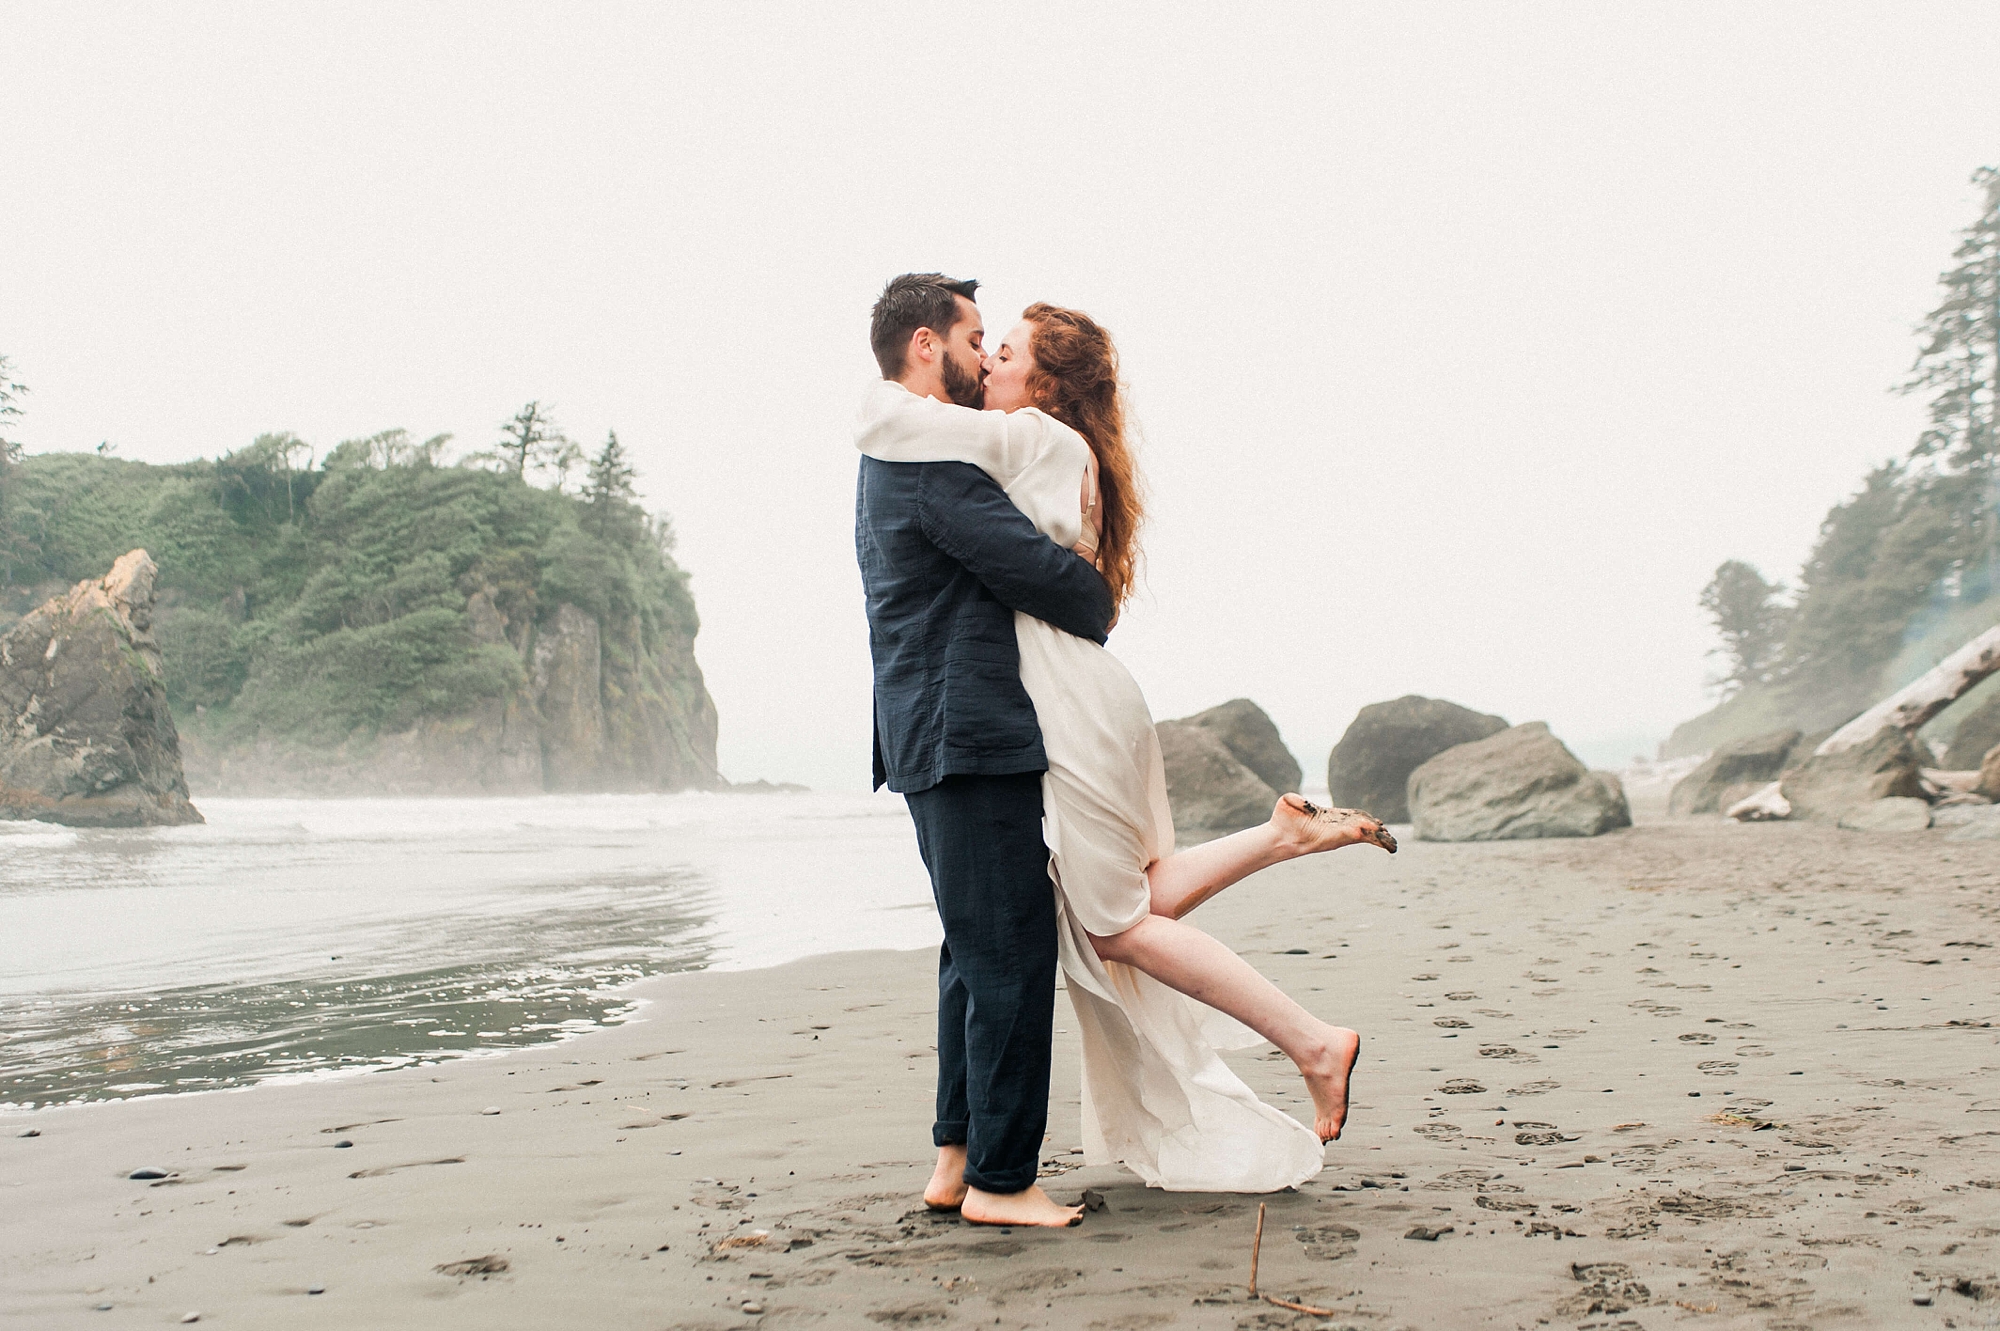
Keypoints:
pixel 1732 772
pixel 1212 792
pixel 1370 767
pixel 88 740
pixel 1897 813
pixel 1989 775
pixel 1517 785
pixel 1251 737
pixel 1827 785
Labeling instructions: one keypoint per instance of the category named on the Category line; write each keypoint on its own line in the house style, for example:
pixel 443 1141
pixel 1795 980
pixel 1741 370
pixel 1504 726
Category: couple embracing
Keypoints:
pixel 996 522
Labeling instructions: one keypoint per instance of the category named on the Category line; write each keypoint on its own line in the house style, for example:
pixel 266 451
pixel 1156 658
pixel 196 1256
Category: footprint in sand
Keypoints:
pixel 1328 1243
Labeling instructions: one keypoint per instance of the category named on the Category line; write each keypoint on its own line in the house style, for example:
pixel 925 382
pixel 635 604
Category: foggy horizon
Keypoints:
pixel 1462 348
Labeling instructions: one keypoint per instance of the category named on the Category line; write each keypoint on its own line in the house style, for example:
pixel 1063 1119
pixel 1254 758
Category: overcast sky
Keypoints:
pixel 1465 340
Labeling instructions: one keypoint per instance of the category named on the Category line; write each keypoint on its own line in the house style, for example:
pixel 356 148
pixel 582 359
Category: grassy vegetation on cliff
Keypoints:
pixel 311 604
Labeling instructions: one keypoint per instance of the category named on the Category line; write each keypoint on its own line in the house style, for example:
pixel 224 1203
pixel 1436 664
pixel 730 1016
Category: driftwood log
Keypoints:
pixel 1906 710
pixel 1917 702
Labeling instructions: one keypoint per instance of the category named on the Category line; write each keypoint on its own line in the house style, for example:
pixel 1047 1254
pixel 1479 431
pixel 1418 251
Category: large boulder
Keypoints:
pixel 1732 772
pixel 1370 767
pixel 1825 786
pixel 1975 736
pixel 1514 786
pixel 1210 789
pixel 1989 774
pixel 1897 813
pixel 85 735
pixel 1252 739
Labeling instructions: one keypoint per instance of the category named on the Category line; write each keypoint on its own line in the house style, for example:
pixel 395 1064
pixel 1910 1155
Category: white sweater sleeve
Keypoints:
pixel 896 425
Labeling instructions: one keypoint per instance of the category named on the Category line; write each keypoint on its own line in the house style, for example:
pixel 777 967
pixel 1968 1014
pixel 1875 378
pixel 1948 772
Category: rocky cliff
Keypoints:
pixel 596 711
pixel 88 739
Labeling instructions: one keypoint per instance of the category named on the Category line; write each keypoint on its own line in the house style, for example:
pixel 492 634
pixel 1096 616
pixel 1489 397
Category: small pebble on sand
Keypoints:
pixel 490 1109
pixel 103 1308
pixel 32 1132
pixel 147 1173
pixel 753 1308
pixel 315 1289
pixel 191 1317
pixel 342 1144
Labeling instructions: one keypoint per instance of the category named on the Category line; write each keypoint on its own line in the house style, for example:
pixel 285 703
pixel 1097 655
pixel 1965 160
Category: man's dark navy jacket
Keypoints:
pixel 946 560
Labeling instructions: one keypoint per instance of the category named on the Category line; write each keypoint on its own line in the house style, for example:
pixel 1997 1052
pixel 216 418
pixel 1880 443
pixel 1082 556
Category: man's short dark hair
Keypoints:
pixel 910 302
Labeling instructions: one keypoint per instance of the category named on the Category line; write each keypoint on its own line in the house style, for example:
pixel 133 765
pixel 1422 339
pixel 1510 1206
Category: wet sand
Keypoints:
pixel 1692 1074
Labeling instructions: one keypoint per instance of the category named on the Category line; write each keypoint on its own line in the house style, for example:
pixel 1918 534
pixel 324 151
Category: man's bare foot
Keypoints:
pixel 1029 1207
pixel 946 1190
pixel 1311 827
pixel 1327 1073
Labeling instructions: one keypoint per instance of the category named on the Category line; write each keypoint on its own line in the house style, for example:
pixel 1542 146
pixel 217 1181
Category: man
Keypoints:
pixel 946 560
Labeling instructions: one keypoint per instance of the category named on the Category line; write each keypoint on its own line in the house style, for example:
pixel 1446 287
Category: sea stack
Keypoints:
pixel 85 735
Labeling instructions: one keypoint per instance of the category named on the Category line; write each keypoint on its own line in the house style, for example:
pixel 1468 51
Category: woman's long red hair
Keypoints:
pixel 1075 380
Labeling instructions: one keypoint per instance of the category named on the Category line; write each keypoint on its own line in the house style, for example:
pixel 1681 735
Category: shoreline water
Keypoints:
pixel 297 935
pixel 1684 1070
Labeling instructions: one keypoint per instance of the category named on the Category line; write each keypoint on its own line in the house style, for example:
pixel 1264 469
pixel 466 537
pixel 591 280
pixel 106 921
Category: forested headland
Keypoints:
pixel 1905 570
pixel 382 620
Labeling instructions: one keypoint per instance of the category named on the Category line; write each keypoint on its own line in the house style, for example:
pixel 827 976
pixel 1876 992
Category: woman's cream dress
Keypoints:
pixel 1156 1096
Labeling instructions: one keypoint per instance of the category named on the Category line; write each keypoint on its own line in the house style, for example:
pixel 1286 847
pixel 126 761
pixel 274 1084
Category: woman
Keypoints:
pixel 1156 1096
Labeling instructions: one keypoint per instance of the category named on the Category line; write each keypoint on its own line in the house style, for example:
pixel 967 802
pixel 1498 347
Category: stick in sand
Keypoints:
pixel 1256 1244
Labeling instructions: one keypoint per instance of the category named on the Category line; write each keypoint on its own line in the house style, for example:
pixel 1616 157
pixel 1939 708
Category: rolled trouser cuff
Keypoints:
pixel 1009 1181
pixel 949 1133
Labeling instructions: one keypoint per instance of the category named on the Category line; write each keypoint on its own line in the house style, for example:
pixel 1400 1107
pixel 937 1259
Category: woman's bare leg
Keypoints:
pixel 1184 958
pixel 1183 880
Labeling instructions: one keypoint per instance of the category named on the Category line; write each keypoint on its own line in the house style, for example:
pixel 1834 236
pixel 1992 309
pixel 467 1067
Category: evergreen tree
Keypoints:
pixel 530 439
pixel 608 488
pixel 1960 360
pixel 1751 618
pixel 15 542
pixel 11 390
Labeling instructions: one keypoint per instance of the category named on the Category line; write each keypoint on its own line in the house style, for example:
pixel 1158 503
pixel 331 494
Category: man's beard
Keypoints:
pixel 967 390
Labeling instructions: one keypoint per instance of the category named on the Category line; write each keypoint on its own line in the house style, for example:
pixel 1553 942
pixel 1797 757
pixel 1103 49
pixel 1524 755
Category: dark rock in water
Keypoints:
pixel 85 735
pixel 1370 768
pixel 1824 787
pixel 1977 735
pixel 1252 739
pixel 147 1173
pixel 1517 785
pixel 1732 772
pixel 1211 791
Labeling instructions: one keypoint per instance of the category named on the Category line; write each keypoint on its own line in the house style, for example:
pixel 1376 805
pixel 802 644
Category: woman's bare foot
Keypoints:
pixel 1310 827
pixel 946 1190
pixel 1029 1207
pixel 1327 1072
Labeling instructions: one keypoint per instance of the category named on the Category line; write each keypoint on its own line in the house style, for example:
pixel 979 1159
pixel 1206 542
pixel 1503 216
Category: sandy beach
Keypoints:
pixel 1691 1073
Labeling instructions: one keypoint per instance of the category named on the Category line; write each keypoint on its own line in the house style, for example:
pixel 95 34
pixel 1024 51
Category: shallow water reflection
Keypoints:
pixel 298 937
